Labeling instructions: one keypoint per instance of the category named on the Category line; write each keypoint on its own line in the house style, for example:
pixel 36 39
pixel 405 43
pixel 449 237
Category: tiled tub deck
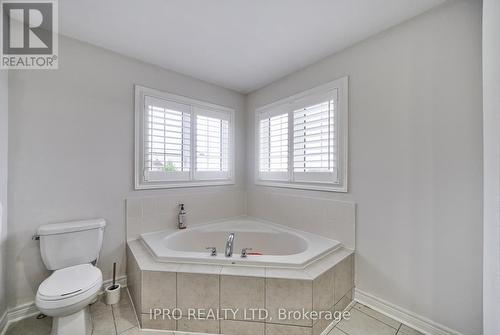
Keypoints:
pixel 327 284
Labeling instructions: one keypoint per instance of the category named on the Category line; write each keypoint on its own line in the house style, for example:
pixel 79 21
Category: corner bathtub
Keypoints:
pixel 278 246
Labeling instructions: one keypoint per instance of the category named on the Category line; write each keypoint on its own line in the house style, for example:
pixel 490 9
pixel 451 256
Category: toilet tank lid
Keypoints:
pixel 71 226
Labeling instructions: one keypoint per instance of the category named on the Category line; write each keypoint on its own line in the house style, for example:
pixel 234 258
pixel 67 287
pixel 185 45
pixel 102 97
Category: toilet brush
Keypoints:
pixel 114 275
pixel 113 291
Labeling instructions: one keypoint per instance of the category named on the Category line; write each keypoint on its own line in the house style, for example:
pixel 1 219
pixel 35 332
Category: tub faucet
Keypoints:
pixel 229 245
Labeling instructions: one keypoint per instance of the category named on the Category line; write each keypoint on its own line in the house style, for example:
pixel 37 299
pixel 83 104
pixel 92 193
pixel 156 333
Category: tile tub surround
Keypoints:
pixel 153 213
pixel 329 218
pixel 325 285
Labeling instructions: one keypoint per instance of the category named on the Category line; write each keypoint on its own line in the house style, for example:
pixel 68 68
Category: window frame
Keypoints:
pixel 140 182
pixel 342 127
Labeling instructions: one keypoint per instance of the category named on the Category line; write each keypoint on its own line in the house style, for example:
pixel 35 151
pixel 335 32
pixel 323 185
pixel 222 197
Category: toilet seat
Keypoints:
pixel 68 282
pixel 68 289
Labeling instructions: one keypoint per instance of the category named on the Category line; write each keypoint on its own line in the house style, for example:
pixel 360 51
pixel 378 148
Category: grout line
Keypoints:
pixel 340 330
pixel 218 282
pixel 265 299
pixel 138 325
pixel 351 305
pixel 176 298
pixel 113 307
pixel 114 319
pixel 397 329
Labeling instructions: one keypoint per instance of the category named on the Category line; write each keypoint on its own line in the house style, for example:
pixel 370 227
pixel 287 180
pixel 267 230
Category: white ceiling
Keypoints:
pixel 239 44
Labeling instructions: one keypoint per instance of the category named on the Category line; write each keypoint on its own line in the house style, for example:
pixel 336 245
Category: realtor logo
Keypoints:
pixel 29 34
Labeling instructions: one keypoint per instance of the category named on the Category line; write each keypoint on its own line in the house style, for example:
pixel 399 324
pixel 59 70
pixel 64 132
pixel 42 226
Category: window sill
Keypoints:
pixel 201 183
pixel 303 186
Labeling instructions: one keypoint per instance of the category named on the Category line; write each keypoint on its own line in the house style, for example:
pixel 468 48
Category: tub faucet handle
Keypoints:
pixel 213 251
pixel 244 252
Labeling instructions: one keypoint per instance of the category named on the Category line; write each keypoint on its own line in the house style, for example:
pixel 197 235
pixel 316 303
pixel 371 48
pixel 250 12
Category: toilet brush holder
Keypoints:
pixel 113 291
pixel 113 294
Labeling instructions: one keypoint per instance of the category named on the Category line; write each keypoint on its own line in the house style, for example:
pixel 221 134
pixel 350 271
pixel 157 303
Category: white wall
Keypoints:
pixel 415 160
pixel 491 108
pixel 3 188
pixel 71 150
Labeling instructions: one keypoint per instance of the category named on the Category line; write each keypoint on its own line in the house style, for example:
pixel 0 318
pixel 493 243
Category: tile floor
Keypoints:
pixel 120 319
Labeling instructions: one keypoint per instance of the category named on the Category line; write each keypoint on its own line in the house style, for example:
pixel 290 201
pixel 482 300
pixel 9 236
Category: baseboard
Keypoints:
pixel 21 312
pixel 415 321
pixel 29 309
pixel 18 313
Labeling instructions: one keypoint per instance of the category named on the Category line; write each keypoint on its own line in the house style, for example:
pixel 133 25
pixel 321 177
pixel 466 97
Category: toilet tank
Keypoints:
pixel 70 243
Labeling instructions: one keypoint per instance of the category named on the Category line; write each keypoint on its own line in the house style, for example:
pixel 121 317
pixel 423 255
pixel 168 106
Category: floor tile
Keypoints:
pixel 124 299
pixel 99 306
pixel 131 331
pixel 405 330
pixel 104 324
pixel 229 327
pixel 158 332
pixel 273 329
pixel 362 324
pixel 336 331
pixel 379 316
pixel 31 326
pixel 120 319
pixel 198 326
pixel 124 318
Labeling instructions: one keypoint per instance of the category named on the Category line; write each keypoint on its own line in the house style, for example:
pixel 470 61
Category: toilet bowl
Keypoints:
pixel 66 294
pixel 70 249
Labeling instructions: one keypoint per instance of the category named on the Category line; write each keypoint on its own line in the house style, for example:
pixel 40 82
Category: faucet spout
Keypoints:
pixel 230 245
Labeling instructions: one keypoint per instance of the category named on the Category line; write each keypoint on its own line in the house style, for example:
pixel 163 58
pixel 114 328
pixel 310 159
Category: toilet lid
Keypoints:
pixel 71 281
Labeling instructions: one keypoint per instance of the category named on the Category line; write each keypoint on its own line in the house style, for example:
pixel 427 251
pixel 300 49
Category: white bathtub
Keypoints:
pixel 278 245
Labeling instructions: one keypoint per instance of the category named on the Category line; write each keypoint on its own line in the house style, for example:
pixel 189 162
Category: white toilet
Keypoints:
pixel 71 249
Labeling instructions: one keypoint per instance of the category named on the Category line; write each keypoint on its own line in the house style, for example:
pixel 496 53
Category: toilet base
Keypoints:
pixel 79 323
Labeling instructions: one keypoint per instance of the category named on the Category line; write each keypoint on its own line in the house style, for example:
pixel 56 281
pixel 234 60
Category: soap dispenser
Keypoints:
pixel 181 218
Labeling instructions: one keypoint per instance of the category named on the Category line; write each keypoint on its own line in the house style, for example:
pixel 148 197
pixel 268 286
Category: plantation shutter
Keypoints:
pixel 315 139
pixel 273 144
pixel 212 144
pixel 167 140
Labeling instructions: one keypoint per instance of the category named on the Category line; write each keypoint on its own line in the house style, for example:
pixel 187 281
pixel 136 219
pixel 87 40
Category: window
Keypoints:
pixel 181 142
pixel 302 140
pixel 274 145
